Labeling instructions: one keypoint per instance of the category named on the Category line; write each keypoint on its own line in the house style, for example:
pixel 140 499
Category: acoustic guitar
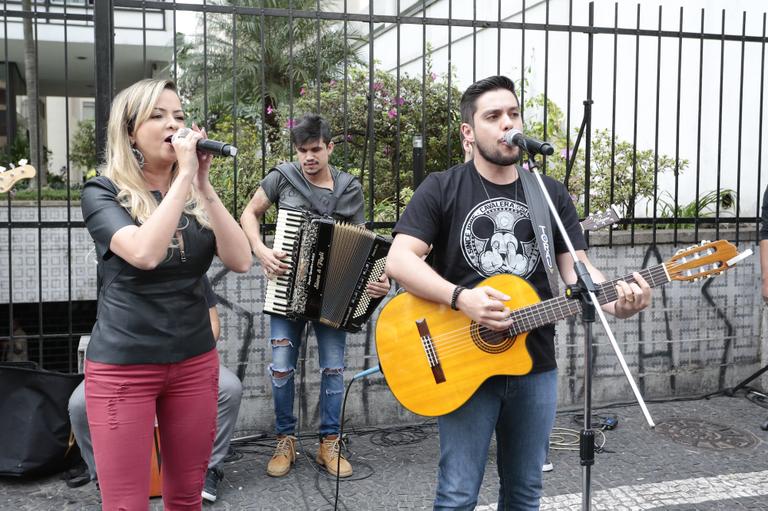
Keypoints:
pixel 434 358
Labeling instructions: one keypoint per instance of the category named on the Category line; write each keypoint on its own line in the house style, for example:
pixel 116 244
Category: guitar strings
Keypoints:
pixel 539 314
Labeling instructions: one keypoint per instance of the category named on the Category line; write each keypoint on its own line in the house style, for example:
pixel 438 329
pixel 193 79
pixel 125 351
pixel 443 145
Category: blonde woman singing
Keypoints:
pixel 157 222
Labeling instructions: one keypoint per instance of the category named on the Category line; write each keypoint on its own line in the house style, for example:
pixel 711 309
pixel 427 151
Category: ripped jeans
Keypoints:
pixel 122 402
pixel 286 339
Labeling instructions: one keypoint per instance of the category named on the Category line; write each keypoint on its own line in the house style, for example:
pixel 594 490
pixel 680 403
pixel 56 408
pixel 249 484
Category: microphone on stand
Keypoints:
pixel 530 145
pixel 207 145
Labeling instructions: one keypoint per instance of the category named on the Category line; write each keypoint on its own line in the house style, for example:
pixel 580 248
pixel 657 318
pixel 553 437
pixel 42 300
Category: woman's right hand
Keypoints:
pixel 185 145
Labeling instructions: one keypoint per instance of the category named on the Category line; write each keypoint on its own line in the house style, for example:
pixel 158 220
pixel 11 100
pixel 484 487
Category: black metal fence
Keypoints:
pixel 676 100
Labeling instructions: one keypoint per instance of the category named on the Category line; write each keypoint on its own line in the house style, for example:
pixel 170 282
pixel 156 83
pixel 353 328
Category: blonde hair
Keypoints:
pixel 130 108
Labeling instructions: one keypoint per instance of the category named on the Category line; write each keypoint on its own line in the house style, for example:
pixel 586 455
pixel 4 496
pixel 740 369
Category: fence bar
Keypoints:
pixel 656 130
pixel 175 46
pixel 522 64
pixel 103 28
pixel 371 132
pixel 677 127
pixel 760 134
pixel 346 85
pixel 263 114
pixel 474 40
pixel 68 181
pixel 205 68
pixel 698 133
pixel 546 76
pixel 144 40
pixel 741 115
pixel 448 162
pixel 498 36
pixel 568 154
pixel 10 135
pixel 612 191
pixel 234 113
pixel 720 129
pixel 39 182
pixel 317 55
pixel 633 197
pixel 291 84
pixel 397 109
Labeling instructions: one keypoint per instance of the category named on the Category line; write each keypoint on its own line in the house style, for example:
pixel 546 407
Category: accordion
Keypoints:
pixel 330 265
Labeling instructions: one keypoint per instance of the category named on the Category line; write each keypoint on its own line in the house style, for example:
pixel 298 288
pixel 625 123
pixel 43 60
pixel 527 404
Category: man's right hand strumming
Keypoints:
pixel 485 305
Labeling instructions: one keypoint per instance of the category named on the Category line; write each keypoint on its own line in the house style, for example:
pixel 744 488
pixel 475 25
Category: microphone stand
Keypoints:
pixel 584 290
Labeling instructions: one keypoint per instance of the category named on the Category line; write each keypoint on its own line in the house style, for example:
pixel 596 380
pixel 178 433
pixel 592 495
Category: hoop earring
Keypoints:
pixel 139 157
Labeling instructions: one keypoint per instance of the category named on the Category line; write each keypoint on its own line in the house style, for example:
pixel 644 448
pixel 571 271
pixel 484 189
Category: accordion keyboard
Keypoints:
pixel 280 289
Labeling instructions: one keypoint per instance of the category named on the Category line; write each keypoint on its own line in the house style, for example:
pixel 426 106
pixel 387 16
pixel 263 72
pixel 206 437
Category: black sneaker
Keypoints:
pixel 212 479
pixel 77 476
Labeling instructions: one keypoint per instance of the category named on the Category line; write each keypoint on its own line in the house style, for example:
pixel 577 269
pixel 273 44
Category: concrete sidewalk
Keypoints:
pixel 704 454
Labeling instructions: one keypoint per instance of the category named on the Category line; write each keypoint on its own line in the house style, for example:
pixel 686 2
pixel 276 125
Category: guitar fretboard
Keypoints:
pixel 555 309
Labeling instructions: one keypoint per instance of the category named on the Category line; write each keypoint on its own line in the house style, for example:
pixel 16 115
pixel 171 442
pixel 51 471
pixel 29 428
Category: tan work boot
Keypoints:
pixel 284 457
pixel 329 456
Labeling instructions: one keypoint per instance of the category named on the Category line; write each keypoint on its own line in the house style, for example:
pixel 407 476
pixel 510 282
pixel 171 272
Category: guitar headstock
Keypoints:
pixel 705 260
pixel 601 219
pixel 11 176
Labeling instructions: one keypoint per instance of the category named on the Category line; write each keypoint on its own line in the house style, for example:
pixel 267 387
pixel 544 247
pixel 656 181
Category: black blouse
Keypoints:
pixel 154 316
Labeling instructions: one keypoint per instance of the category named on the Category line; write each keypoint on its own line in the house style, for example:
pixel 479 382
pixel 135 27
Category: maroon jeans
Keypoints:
pixel 122 402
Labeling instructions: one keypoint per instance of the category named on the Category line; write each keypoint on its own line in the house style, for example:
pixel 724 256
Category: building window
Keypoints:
pixel 88 111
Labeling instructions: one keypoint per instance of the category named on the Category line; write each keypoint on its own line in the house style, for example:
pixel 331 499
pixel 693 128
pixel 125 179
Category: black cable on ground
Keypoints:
pixel 341 436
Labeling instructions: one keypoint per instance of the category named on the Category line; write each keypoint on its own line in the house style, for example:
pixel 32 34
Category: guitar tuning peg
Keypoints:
pixel 11 166
pixel 2 169
pixel 705 242
pixel 23 162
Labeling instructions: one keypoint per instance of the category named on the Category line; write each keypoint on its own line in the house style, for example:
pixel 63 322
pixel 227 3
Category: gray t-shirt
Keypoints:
pixel 349 207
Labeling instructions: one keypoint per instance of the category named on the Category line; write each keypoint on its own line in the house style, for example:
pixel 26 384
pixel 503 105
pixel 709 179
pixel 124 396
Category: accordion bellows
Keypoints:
pixel 330 265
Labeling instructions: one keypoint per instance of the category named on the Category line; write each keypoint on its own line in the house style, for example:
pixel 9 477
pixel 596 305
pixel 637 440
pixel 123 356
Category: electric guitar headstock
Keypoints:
pixel 11 176
pixel 601 219
pixel 705 260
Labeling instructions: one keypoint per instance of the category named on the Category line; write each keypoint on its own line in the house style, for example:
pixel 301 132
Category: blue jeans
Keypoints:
pixel 286 338
pixel 521 410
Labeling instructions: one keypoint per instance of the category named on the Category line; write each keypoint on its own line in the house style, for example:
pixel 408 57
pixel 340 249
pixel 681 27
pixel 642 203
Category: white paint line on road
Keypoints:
pixel 663 494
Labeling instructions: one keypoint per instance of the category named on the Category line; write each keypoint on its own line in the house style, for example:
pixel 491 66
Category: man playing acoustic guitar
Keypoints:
pixel 477 217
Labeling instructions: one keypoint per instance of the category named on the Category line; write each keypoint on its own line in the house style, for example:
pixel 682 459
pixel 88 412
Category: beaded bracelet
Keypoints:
pixel 456 291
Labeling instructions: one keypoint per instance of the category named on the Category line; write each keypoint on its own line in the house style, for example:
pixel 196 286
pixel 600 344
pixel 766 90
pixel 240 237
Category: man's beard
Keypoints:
pixel 496 157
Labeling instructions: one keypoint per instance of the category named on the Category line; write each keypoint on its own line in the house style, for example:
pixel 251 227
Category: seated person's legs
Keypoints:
pixel 79 420
pixel 230 393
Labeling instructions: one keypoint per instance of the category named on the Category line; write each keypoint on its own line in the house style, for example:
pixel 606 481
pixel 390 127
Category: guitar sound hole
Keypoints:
pixel 490 341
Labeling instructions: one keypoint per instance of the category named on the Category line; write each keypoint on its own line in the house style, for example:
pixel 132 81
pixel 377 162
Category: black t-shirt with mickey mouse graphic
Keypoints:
pixel 478 229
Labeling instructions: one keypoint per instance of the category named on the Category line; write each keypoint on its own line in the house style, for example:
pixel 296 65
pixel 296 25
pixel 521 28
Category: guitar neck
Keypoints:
pixel 555 309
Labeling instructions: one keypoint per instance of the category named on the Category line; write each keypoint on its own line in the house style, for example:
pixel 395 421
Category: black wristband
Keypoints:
pixel 456 292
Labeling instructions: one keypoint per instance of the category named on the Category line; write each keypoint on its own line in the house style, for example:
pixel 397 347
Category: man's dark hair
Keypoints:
pixel 310 127
pixel 469 98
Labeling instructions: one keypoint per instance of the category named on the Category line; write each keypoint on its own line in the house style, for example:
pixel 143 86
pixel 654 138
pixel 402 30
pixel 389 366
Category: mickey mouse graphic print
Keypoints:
pixel 496 237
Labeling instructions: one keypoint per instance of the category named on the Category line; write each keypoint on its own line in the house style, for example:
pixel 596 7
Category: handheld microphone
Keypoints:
pixel 529 145
pixel 216 147
pixel 210 146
